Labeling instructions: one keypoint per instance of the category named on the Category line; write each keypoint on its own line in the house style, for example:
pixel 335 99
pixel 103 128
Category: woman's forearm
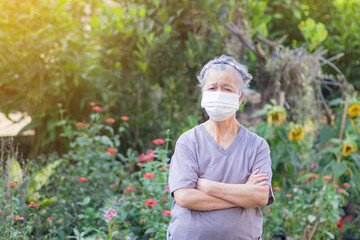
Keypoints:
pixel 197 200
pixel 243 195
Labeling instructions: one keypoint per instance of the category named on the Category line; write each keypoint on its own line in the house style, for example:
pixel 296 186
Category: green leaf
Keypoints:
pixel 339 168
pixel 41 177
pixel 311 218
pixel 142 12
pixel 15 171
pixel 326 133
pixel 167 29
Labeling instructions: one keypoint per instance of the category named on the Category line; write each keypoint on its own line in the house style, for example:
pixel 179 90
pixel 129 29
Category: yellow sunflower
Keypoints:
pixel 348 147
pixel 296 134
pixel 354 110
pixel 276 116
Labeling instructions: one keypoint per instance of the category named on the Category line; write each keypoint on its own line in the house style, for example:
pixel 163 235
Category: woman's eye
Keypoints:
pixel 226 89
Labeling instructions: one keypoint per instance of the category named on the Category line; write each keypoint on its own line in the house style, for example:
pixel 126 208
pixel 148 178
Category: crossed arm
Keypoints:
pixel 210 195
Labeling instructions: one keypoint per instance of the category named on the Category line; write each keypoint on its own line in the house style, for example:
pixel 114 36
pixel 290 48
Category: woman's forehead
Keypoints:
pixel 221 76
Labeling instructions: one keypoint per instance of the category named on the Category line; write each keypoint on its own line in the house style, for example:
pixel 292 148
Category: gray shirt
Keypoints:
pixel 198 155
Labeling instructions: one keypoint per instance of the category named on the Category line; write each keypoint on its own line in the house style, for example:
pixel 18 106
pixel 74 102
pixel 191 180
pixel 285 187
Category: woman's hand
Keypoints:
pixel 203 185
pixel 257 179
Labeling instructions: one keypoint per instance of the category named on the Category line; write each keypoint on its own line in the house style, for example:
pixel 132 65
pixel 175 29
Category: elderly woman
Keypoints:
pixel 220 172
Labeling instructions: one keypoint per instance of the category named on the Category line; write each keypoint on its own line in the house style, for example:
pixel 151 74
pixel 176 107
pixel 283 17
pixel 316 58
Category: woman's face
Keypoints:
pixel 221 80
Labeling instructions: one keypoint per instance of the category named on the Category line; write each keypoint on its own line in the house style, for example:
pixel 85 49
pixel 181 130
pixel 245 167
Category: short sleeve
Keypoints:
pixel 184 169
pixel 263 162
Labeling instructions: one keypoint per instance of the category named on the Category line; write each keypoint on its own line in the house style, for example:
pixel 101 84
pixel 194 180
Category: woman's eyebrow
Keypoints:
pixel 228 85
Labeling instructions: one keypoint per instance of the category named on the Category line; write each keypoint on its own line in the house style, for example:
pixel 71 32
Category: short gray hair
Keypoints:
pixel 223 63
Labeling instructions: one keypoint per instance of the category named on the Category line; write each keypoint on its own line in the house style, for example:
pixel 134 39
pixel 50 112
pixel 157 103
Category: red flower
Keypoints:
pixel 79 124
pixel 289 195
pixel 158 141
pixel 92 104
pixel 150 202
pixel 82 179
pixel 146 158
pixel 302 171
pixel 306 180
pixel 167 188
pixel 336 186
pixel 51 218
pixel 342 191
pixel 110 120
pixel 315 176
pixel 111 151
pixel 276 188
pixel 149 175
pixel 340 224
pixel 166 213
pixel 168 165
pixel 164 198
pixel 347 185
pixel 327 178
pixel 139 164
pixel 11 185
pixel 268 210
pixel 97 109
pixel 18 218
pixel 32 204
pixel 348 218
pixel 124 118
pixel 129 189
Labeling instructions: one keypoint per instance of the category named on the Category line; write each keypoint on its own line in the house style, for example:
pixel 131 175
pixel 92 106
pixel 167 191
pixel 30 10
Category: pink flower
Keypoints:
pixel 109 214
pixel 112 185
pixel 110 120
pixel 79 124
pixel 125 118
pixel 336 186
pixel 18 218
pixel 149 175
pixel 51 218
pixel 327 178
pixel 11 185
pixel 146 158
pixel 139 164
pixel 340 190
pixel 314 166
pixel 164 198
pixel 92 104
pixel 129 189
pixel 276 188
pixel 82 179
pixel 111 151
pixel 167 188
pixel 168 165
pixel 32 204
pixel 166 213
pixel 295 190
pixel 289 195
pixel 315 176
pixel 150 202
pixel 158 141
pixel 307 180
pixel 97 109
pixel 302 171
pixel 347 185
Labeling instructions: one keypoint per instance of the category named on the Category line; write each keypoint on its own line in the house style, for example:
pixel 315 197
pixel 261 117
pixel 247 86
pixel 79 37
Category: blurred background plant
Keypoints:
pixel 101 79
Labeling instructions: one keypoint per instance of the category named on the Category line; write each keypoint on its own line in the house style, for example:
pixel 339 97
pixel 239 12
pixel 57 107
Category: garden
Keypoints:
pixel 111 85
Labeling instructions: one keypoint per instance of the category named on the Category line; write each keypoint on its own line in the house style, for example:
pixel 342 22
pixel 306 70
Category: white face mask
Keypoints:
pixel 220 105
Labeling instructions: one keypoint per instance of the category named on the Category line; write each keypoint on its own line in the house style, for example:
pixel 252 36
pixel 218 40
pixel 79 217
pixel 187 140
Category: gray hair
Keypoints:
pixel 223 63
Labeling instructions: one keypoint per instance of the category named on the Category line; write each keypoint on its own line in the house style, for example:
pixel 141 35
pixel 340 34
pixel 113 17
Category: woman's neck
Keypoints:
pixel 224 130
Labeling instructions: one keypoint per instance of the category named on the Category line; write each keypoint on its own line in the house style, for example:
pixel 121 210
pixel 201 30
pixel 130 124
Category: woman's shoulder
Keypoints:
pixel 190 136
pixel 254 138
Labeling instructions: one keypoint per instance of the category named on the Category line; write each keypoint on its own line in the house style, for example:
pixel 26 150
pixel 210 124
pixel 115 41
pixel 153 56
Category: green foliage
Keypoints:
pixel 310 208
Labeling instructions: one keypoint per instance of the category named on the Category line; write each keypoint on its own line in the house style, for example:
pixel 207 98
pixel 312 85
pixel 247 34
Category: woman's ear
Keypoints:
pixel 241 97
